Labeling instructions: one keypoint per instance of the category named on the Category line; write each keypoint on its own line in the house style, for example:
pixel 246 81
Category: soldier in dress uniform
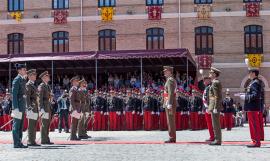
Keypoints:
pixel 98 107
pixel 185 115
pixel 170 102
pixel 155 111
pixel 130 111
pixel 228 110
pixel 119 110
pixel 139 111
pixel 75 104
pixel 208 117
pixel 148 108
pixel 82 124
pixel 179 109
pixel 32 106
pixel 45 95
pixel 253 103
pixel 104 117
pixel 18 105
pixel 194 110
pixel 113 103
pixel 215 104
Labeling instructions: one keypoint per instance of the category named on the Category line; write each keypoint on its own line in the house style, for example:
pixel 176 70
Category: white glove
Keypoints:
pixel 133 112
pixel 215 111
pixel 16 114
pixel 101 112
pixel 169 107
pixel 31 115
pixel 87 114
pixel 152 113
pixel 242 96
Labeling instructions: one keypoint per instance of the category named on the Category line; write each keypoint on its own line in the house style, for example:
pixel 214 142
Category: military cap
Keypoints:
pixel 214 70
pixel 253 70
pixel 46 73
pixel 104 93
pixel 20 66
pixel 170 68
pixel 32 72
pixel 74 78
pixel 206 77
pixel 82 81
pixel 128 91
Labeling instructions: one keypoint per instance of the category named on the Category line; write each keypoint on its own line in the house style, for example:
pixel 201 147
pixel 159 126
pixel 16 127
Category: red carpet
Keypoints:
pixel 138 142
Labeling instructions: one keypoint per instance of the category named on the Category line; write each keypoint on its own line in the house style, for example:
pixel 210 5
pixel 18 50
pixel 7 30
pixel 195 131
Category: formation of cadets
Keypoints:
pixel 112 110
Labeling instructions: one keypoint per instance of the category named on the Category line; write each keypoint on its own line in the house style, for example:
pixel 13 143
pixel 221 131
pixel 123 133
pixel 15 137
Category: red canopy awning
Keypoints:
pixel 121 54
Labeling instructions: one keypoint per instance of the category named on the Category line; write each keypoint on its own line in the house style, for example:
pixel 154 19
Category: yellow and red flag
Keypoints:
pixel 107 13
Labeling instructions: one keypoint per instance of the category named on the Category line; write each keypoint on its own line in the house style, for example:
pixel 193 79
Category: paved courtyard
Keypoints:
pixel 141 146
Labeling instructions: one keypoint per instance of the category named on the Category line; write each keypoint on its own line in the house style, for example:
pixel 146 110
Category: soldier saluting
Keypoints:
pixel 32 107
pixel 170 102
pixel 19 105
pixel 45 107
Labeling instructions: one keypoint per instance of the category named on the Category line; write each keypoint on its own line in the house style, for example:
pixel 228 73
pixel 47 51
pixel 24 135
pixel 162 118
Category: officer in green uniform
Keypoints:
pixel 75 104
pixel 18 104
pixel 215 104
pixel 170 102
pixel 32 106
pixel 45 107
pixel 82 125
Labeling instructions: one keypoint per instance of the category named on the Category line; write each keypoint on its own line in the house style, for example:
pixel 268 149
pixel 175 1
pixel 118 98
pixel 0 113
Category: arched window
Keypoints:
pixel 60 4
pixel 15 43
pixel 15 5
pixel 106 3
pixel 203 1
pixel 107 40
pixel 253 39
pixel 60 41
pixel 204 40
pixel 154 2
pixel 155 38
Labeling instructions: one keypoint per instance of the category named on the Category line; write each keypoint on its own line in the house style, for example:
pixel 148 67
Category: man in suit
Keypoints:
pixel 215 104
pixel 253 103
pixel 170 102
pixel 19 105
pixel 32 107
pixel 45 95
pixel 63 110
